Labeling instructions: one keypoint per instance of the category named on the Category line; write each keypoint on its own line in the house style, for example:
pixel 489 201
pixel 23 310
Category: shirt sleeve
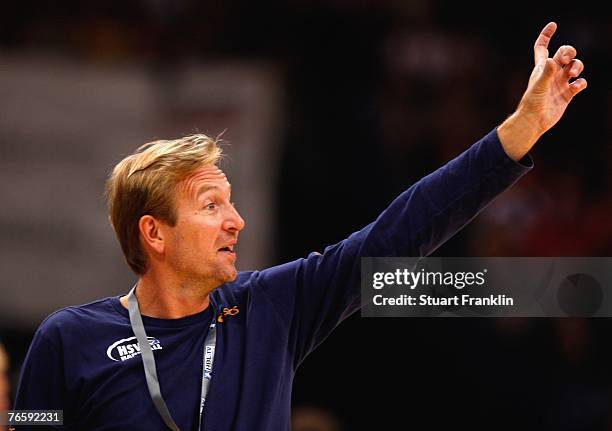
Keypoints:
pixel 41 384
pixel 313 295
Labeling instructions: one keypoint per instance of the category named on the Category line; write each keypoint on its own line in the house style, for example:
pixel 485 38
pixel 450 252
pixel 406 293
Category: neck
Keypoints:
pixel 169 299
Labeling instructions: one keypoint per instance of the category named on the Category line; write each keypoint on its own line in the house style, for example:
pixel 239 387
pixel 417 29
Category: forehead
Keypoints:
pixel 205 178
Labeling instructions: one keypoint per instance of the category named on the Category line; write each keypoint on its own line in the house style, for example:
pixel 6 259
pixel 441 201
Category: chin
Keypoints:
pixel 232 275
pixel 228 275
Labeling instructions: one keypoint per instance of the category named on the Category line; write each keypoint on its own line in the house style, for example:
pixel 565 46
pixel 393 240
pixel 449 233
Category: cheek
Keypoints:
pixel 201 236
pixel 174 243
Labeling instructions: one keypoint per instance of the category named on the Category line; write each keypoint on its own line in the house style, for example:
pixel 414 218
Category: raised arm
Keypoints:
pixel 312 295
pixel 549 92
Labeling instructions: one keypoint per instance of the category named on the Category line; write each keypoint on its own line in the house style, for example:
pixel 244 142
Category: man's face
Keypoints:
pixel 200 247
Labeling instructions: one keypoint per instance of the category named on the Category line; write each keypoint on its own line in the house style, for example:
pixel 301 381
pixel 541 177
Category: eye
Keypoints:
pixel 210 206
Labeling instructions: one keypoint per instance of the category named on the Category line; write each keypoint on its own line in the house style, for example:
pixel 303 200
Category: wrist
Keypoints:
pixel 518 134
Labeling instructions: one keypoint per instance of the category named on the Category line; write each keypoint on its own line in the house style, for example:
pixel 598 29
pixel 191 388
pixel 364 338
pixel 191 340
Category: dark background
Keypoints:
pixel 378 94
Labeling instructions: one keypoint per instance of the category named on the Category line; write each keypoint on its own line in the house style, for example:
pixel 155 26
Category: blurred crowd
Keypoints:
pixel 380 93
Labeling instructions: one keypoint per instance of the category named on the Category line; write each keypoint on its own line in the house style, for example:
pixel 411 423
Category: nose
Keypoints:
pixel 233 221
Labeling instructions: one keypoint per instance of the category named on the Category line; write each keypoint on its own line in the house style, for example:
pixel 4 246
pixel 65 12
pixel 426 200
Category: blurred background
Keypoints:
pixel 329 109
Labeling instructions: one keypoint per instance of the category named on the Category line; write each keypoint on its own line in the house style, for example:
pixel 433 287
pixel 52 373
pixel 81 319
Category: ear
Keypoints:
pixel 151 233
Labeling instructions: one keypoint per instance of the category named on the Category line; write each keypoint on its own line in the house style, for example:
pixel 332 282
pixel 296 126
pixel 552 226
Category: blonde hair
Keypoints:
pixel 144 184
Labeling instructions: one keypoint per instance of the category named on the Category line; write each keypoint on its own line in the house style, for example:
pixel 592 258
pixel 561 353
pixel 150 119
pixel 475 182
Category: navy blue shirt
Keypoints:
pixel 85 360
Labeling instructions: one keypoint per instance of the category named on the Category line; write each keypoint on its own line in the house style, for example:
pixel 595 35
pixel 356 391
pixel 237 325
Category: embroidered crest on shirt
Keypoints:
pixel 228 312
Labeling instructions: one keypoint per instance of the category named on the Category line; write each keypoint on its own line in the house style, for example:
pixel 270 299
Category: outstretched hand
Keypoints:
pixel 549 92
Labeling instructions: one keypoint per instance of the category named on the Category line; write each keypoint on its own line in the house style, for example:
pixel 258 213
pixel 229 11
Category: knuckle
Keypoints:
pixel 578 65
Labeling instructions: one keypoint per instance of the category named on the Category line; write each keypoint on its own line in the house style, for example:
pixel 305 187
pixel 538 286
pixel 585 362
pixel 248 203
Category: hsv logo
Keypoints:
pixel 128 348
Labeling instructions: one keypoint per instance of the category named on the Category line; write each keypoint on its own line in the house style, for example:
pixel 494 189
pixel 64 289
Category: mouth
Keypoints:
pixel 229 250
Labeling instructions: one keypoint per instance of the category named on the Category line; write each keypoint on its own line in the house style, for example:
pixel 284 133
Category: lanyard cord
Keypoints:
pixel 148 362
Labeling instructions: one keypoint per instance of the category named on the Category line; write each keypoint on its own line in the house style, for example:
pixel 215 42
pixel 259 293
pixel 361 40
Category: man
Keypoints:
pixel 195 341
pixel 4 381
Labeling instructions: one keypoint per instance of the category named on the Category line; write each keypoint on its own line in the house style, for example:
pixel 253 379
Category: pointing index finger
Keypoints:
pixel 540 49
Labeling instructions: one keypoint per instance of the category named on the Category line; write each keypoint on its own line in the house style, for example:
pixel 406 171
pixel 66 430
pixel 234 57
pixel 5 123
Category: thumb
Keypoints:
pixel 548 71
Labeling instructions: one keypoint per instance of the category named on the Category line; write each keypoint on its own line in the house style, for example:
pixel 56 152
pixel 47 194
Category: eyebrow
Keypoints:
pixel 206 187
